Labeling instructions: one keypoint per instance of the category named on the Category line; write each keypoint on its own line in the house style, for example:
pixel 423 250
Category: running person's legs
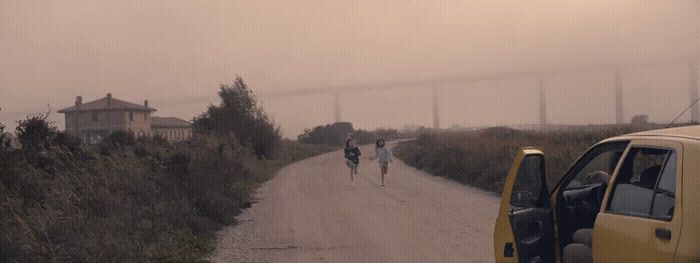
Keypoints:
pixel 353 170
pixel 383 169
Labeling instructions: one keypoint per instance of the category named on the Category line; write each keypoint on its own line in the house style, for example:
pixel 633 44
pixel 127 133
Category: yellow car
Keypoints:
pixel 632 198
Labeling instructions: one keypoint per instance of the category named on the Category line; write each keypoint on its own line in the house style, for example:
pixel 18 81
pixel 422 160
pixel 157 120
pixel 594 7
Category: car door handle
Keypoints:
pixel 663 233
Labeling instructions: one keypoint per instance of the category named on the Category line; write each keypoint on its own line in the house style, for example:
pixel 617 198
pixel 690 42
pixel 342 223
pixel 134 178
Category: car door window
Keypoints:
pixel 597 165
pixel 668 178
pixel 645 185
pixel 528 186
pixel 664 198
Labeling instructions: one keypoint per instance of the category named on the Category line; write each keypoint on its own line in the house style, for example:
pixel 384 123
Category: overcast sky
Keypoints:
pixel 176 53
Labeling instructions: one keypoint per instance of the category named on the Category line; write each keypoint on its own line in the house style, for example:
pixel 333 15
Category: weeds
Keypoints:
pixel 482 158
pixel 127 199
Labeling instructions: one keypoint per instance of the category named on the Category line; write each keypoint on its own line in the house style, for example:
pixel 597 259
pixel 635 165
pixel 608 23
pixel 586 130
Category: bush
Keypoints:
pixel 330 134
pixel 35 132
pixel 238 113
pixel 640 120
pixel 482 158
pixel 146 201
pixel 370 137
pixel 213 173
pixel 336 133
pixel 116 141
pixel 4 139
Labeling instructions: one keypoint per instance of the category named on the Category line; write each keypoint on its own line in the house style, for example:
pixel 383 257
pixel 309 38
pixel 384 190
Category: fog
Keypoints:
pixel 176 53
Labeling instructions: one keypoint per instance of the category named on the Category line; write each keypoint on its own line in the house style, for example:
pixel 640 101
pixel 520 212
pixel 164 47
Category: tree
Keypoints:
pixel 640 120
pixel 336 133
pixel 35 132
pixel 329 134
pixel 238 113
pixel 4 139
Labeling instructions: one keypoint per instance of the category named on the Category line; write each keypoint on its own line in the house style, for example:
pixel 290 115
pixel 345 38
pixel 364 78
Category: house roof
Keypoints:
pixel 169 122
pixel 107 103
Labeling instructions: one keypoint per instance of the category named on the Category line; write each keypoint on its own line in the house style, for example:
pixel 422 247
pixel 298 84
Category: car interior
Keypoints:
pixel 531 212
pixel 580 201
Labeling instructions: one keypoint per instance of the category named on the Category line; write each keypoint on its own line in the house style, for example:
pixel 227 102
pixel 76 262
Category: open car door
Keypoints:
pixel 524 227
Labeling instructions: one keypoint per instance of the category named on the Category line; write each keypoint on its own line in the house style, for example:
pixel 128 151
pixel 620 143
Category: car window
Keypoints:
pixel 597 166
pixel 668 177
pixel 645 185
pixel 528 184
pixel 528 178
pixel 664 199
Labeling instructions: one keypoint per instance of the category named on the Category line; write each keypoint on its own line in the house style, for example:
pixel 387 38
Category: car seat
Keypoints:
pixel 580 250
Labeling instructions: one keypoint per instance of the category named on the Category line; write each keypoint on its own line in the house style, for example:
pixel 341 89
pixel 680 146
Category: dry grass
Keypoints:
pixel 481 158
pixel 127 200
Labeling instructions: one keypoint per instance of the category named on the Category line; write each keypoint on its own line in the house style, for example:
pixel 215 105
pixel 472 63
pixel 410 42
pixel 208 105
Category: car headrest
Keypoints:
pixel 648 177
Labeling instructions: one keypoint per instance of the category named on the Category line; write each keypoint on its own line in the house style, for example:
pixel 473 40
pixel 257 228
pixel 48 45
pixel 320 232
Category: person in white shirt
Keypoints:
pixel 383 156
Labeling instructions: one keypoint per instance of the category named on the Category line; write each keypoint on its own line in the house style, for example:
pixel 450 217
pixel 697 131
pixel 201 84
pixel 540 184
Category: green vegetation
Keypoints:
pixel 482 158
pixel 132 199
pixel 239 114
pixel 336 133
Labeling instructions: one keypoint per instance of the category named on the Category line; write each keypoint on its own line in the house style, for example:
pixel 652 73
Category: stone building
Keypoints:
pixel 170 128
pixel 92 121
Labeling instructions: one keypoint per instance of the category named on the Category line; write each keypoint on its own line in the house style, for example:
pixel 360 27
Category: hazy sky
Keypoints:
pixel 174 53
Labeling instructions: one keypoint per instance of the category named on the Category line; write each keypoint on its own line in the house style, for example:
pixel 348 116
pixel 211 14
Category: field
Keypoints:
pixel 481 158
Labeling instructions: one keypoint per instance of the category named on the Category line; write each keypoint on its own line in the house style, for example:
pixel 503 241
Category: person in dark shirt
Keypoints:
pixel 352 158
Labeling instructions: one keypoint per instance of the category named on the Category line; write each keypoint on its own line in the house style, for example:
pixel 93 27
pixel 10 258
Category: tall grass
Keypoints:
pixel 481 158
pixel 136 200
pixel 127 200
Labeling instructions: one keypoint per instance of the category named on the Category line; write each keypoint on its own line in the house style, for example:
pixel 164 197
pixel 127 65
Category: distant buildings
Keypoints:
pixel 171 128
pixel 92 121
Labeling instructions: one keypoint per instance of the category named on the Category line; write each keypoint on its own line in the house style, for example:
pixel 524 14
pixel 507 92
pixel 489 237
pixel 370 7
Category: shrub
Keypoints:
pixel 116 141
pixel 35 132
pixel 336 133
pixel 212 172
pixel 369 137
pixel 330 134
pixel 482 158
pixel 149 201
pixel 4 139
pixel 238 113
pixel 640 120
pixel 120 138
pixel 142 200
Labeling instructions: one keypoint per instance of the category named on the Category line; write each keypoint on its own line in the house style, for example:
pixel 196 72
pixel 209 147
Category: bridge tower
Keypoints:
pixel 693 74
pixel 542 101
pixel 619 106
pixel 436 109
pixel 336 106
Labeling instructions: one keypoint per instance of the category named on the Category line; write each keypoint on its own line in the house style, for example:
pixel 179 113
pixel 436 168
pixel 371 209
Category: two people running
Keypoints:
pixel 352 156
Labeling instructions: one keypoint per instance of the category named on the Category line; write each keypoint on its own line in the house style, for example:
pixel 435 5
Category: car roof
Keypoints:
pixel 686 132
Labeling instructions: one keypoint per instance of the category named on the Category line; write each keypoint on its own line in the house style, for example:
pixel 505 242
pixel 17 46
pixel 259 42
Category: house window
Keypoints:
pixel 145 116
pixel 94 117
pixel 131 116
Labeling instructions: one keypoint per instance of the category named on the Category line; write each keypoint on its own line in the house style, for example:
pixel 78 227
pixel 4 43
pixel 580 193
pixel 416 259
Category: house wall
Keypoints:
pixel 141 125
pixel 83 125
pixel 173 133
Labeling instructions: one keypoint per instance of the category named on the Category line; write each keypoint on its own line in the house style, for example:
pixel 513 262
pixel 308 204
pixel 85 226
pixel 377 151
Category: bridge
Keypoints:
pixel 436 85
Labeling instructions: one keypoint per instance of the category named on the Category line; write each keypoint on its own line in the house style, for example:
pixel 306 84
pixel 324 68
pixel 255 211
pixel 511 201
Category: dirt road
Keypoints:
pixel 311 213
